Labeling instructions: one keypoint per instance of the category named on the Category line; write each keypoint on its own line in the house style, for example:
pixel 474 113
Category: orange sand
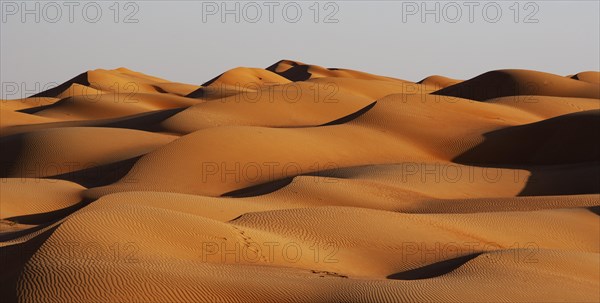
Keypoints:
pixel 299 183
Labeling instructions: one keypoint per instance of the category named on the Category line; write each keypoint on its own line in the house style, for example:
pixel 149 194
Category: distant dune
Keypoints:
pixel 300 183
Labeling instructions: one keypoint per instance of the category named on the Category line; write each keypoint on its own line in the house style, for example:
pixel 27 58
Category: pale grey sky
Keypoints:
pixel 189 41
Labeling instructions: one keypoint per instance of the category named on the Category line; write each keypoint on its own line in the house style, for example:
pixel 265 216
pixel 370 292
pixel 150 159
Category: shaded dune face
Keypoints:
pixel 589 76
pixel 540 143
pixel 300 183
pixel 503 83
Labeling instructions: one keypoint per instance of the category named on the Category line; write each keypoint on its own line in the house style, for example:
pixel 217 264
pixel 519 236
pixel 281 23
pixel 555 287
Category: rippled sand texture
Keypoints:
pixel 303 183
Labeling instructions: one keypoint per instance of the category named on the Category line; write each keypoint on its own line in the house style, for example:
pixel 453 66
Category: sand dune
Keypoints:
pixel 251 77
pixel 541 142
pixel 513 82
pixel 301 183
pixel 109 106
pixel 9 118
pixel 116 81
pixel 19 104
pixel 22 197
pixel 62 150
pixel 546 107
pixel 438 82
pixel 298 71
pixel 296 105
pixel 590 76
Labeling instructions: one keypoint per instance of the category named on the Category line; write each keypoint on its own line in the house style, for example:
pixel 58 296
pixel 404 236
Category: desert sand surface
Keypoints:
pixel 301 183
